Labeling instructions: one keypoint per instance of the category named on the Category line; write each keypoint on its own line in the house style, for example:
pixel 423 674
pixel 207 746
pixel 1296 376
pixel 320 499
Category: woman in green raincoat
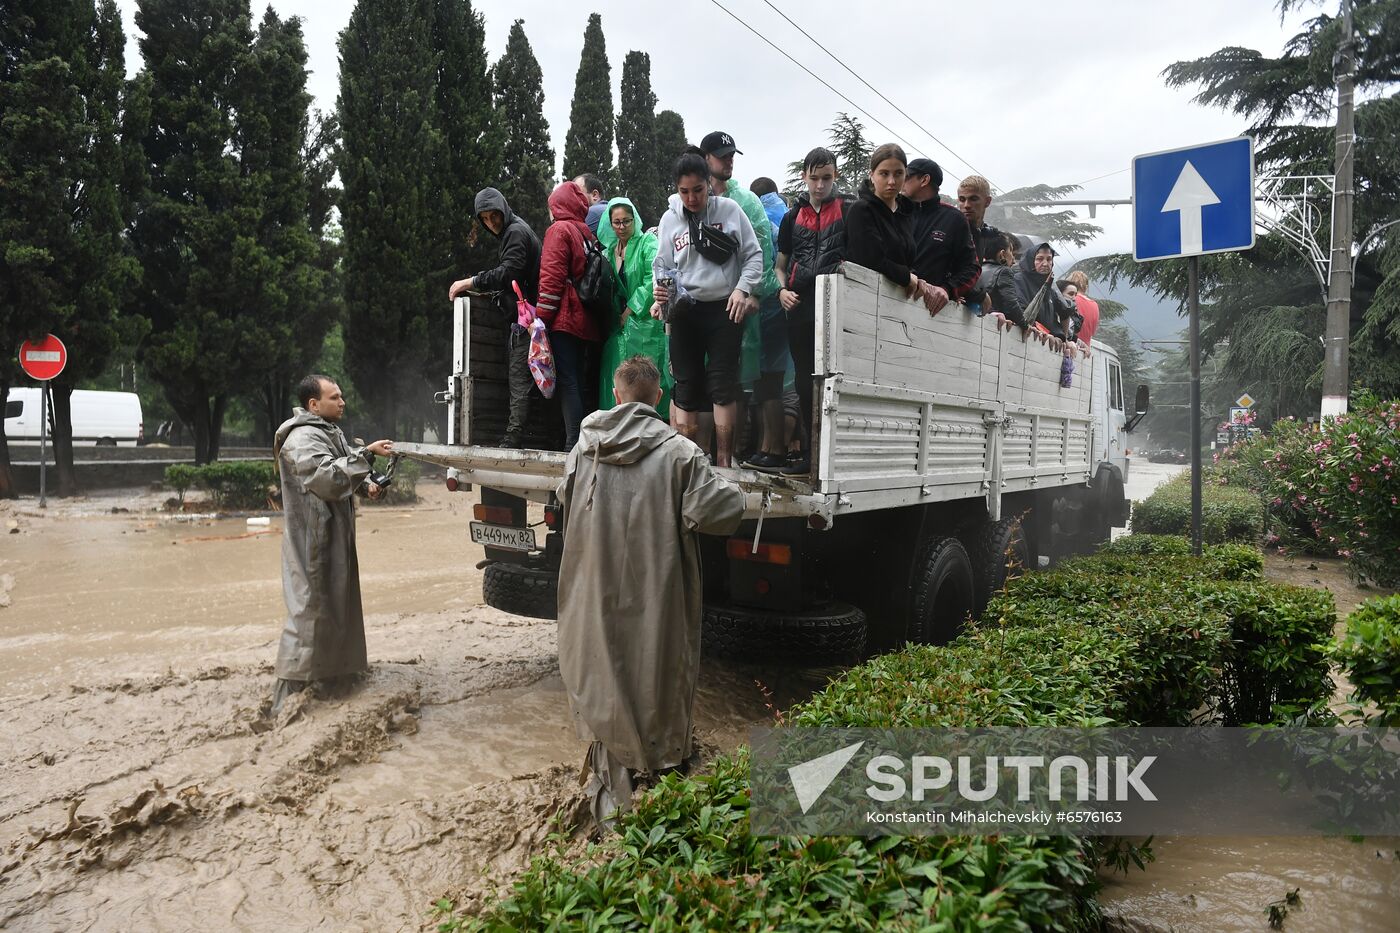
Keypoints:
pixel 631 251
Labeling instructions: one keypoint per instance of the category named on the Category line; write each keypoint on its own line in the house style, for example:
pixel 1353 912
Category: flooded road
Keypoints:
pixel 142 789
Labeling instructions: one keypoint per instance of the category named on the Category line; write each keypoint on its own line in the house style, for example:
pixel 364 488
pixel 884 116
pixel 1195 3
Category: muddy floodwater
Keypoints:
pixel 141 788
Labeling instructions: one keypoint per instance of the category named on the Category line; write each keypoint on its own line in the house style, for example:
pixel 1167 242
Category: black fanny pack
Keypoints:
pixel 713 243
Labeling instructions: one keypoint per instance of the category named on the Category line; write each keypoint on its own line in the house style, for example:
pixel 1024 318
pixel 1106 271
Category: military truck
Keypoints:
pixel 947 454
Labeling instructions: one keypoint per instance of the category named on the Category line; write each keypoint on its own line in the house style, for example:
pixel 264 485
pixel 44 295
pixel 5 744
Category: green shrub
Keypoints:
pixel 1141 544
pixel 1275 658
pixel 180 477
pixel 1229 561
pixel 1228 513
pixel 1370 654
pixel 238 484
pixel 1278 662
pixel 1334 490
pixel 686 861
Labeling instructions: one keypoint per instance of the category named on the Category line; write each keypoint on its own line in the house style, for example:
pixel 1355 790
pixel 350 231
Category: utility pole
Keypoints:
pixel 1335 377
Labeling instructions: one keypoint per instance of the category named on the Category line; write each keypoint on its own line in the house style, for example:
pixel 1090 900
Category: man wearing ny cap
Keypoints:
pixel 719 150
pixel 944 254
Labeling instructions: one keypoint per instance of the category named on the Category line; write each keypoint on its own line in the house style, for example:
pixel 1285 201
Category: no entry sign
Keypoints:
pixel 43 359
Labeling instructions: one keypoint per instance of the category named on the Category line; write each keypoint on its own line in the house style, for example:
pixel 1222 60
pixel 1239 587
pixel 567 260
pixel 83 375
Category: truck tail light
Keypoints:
pixel 551 516
pixel 495 514
pixel 739 549
pixel 452 484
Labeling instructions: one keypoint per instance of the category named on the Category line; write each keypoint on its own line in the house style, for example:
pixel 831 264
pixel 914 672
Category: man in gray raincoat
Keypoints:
pixel 324 636
pixel 635 496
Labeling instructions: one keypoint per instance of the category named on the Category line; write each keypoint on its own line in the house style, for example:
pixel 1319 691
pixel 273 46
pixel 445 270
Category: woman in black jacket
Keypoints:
pixel 879 233
pixel 1055 314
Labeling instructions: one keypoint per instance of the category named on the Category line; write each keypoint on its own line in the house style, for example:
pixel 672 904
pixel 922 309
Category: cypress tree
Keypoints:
pixel 527 162
pixel 192 229
pixel 286 278
pixel 670 143
pixel 638 167
pixel 588 147
pixel 391 161
pixel 64 266
pixel 467 122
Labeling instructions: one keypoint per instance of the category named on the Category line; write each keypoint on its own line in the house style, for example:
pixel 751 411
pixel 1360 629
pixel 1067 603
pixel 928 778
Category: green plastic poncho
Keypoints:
pixel 758 217
pixel 641 334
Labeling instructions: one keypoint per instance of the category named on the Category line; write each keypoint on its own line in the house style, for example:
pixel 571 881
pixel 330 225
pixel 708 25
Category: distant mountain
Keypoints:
pixel 1148 317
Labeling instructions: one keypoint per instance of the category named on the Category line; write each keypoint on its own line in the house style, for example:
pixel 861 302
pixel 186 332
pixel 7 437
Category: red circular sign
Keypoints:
pixel 43 359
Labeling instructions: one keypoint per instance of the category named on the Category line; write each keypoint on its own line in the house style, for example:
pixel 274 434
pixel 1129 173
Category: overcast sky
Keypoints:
pixel 1025 92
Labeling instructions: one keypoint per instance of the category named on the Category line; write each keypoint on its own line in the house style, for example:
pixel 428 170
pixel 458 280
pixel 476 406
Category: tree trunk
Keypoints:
pixel 7 482
pixel 216 426
pixel 61 412
pixel 199 424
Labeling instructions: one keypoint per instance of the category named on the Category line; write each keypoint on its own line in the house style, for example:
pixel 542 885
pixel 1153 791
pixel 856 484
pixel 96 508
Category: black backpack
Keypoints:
pixel 597 286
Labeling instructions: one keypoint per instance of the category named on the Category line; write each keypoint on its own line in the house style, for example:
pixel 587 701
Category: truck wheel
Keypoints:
pixel 1108 508
pixel 833 633
pixel 999 552
pixel 943 592
pixel 522 589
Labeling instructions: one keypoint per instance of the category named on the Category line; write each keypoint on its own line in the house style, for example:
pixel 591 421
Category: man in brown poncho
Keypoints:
pixel 635 496
pixel 324 635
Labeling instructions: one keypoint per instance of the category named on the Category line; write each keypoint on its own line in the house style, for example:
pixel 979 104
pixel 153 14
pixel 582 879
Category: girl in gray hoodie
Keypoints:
pixel 708 262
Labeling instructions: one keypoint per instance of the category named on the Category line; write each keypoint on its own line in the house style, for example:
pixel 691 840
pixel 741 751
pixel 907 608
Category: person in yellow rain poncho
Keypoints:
pixel 631 250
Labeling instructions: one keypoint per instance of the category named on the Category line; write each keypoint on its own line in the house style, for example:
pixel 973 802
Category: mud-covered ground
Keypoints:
pixel 142 788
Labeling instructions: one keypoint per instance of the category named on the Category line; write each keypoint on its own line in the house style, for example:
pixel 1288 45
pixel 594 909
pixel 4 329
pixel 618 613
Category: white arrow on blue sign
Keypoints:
pixel 1192 201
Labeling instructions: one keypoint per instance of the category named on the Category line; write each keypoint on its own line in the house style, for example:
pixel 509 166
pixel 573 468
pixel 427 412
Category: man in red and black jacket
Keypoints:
pixel 811 242
pixel 944 254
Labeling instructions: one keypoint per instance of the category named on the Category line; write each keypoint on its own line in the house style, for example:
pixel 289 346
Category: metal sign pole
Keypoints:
pixel 43 440
pixel 1193 283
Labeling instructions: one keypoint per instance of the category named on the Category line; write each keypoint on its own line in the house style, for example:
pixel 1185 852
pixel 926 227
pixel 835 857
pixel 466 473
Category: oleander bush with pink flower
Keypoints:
pixel 1333 489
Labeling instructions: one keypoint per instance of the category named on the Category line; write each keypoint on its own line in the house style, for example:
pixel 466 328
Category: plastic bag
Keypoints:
pixel 541 355
pixel 1067 369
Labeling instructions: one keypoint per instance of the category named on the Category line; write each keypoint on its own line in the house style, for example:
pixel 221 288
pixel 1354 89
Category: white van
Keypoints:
pixel 107 419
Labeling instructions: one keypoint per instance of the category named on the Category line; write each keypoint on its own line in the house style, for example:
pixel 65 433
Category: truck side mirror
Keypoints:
pixel 1140 406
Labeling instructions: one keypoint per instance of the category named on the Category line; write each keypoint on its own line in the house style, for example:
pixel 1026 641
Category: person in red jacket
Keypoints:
pixel 573 334
pixel 1087 307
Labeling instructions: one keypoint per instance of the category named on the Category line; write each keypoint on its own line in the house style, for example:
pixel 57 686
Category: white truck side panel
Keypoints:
pixel 949 404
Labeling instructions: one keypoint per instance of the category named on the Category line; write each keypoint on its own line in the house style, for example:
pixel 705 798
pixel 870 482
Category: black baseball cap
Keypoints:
pixel 922 166
pixel 718 144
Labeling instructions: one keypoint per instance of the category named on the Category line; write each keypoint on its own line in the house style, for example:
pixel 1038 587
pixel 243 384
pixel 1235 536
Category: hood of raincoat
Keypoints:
pixel 624 434
pixel 489 199
pixel 567 202
pixel 774 206
pixel 300 417
pixel 606 234
pixel 1027 263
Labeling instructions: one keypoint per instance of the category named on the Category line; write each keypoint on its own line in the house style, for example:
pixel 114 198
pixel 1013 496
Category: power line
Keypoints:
pixel 1086 181
pixel 823 81
pixel 872 87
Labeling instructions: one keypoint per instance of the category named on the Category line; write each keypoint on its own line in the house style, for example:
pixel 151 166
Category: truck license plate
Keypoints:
pixel 503 536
